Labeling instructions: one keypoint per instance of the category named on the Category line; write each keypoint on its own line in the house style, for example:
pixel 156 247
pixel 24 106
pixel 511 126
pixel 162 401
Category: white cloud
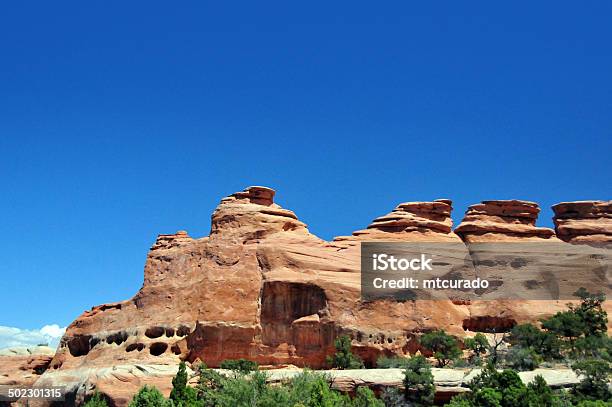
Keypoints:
pixel 12 337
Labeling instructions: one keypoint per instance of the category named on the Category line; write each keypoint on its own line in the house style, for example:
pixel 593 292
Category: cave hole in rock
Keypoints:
pixel 155 332
pixel 134 346
pixel 284 302
pixel 489 324
pixel 175 349
pixel 158 348
pixel 117 338
pixel 94 341
pixel 169 332
pixel 183 330
pixel 79 345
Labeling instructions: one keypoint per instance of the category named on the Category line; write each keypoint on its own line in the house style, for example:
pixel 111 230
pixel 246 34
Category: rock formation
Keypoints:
pixel 502 220
pixel 23 366
pixel 262 287
pixel 584 222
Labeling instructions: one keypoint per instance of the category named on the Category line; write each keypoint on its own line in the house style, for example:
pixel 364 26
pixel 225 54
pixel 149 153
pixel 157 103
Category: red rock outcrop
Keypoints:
pixel 502 218
pixel 262 287
pixel 584 222
pixel 411 221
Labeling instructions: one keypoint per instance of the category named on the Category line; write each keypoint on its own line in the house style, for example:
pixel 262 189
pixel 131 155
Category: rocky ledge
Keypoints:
pixel 584 222
pixel 496 220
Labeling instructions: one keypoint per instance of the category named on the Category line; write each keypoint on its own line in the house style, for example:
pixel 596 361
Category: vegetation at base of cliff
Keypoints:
pixel 343 358
pixel 182 395
pixel 583 344
pixel 419 389
pixel 149 396
pixel 239 365
pixel 96 400
pixel 213 389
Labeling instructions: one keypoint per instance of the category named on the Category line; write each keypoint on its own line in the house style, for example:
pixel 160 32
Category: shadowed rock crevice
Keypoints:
pixel 289 305
pixel 490 324
pixel 158 348
pixel 79 345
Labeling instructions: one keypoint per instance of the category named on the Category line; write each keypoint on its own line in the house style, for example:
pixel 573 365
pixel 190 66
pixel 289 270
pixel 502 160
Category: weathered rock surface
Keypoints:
pixel 413 221
pixel 494 220
pixel 24 365
pixel 262 287
pixel 584 222
pixel 22 370
pixel 27 351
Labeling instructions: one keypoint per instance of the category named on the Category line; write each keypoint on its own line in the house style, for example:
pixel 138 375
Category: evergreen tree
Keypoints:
pixel 443 346
pixel 182 395
pixel 96 400
pixel 149 397
pixel 343 358
pixel 418 382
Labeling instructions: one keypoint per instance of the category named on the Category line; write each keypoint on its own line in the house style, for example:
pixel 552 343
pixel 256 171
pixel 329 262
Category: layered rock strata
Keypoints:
pixel 496 220
pixel 584 222
pixel 262 287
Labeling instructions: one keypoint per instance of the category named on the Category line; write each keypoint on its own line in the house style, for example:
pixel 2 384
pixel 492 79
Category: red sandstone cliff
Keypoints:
pixel 262 287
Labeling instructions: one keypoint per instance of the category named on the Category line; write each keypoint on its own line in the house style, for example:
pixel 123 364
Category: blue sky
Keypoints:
pixel 121 121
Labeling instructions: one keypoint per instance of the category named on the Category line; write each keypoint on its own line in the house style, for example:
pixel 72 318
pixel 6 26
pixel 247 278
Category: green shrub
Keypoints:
pixel 443 346
pixel 418 382
pixel 505 389
pixel 343 358
pixel 593 347
pixel 478 346
pixel 591 312
pixel 591 403
pixel 96 400
pixel 397 362
pixel 588 319
pixel 242 391
pixel 149 397
pixel 522 359
pixel 182 395
pixel 460 401
pixel 365 397
pixel 596 377
pixel 392 397
pixel 543 343
pixel 313 390
pixel 210 383
pixel 242 366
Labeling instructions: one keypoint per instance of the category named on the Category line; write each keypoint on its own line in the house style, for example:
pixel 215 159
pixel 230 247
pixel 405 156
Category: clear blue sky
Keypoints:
pixel 121 121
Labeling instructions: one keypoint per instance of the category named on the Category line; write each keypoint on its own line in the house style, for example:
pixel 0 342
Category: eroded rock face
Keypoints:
pixel 410 221
pixel 496 220
pixel 262 287
pixel 584 222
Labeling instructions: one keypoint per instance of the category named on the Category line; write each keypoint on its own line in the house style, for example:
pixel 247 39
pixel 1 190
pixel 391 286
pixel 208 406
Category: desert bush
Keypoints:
pixel 522 359
pixel 242 366
pixel 595 382
pixel 444 347
pixel 478 347
pixel 182 395
pixel 544 343
pixel 505 389
pixel 364 397
pixel 418 382
pixel 344 358
pixel 397 362
pixel 96 400
pixel 149 396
